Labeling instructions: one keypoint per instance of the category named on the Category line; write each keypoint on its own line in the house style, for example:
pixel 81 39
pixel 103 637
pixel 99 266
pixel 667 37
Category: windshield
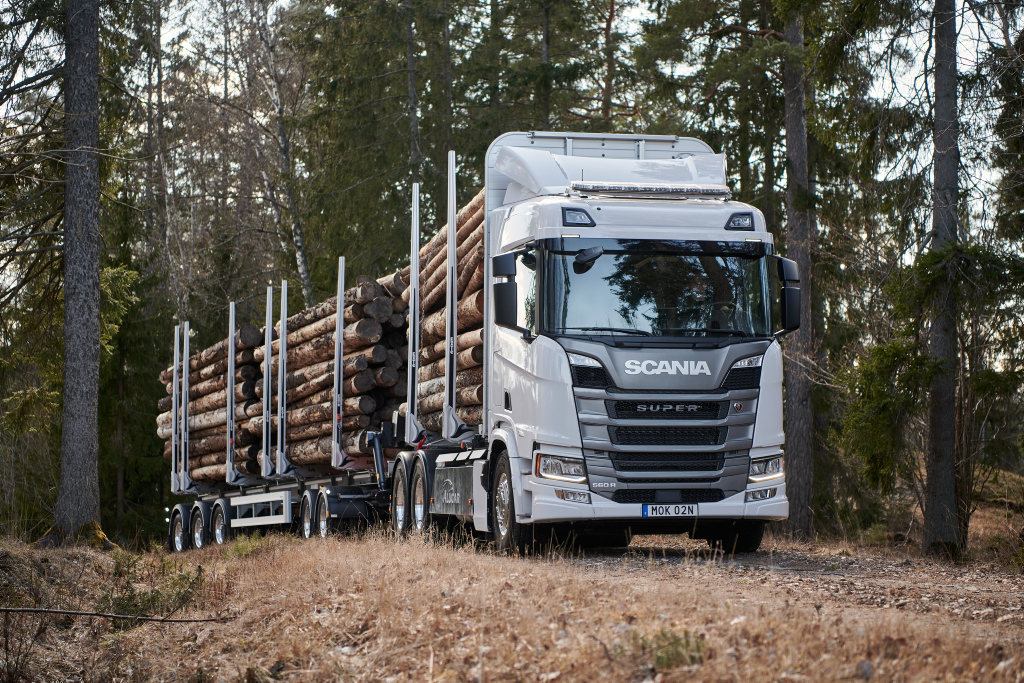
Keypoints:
pixel 655 287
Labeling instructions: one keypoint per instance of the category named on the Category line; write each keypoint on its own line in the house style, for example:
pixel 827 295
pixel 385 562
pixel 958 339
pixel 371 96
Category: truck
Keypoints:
pixel 631 365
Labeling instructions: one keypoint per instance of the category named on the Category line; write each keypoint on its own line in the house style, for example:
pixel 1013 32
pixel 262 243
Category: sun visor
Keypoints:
pixel 543 173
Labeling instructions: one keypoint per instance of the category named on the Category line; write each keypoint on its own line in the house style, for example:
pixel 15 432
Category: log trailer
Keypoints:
pixel 631 368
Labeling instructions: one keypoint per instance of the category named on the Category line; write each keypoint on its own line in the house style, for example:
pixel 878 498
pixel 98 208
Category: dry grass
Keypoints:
pixel 375 609
pixel 371 608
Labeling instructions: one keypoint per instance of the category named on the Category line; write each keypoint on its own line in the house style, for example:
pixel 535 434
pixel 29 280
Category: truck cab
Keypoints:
pixel 634 379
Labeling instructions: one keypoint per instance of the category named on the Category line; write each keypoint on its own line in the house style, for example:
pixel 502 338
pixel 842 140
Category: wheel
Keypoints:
pixel 197 529
pixel 419 512
pixel 323 517
pixel 179 539
pixel 305 518
pixel 399 501
pixel 509 535
pixel 220 527
pixel 740 536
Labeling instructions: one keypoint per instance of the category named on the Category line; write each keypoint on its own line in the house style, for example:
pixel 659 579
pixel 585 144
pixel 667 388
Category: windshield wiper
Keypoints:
pixel 624 330
pixel 706 330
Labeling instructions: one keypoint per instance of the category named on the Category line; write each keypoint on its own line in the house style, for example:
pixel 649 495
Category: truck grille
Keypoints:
pixel 667 410
pixel 688 496
pixel 667 436
pixel 667 462
pixel 742 378
pixel 595 378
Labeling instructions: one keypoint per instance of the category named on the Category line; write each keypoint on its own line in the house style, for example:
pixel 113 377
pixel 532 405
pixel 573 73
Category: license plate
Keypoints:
pixel 671 510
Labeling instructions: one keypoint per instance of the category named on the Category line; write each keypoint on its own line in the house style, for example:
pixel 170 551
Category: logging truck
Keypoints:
pixel 587 351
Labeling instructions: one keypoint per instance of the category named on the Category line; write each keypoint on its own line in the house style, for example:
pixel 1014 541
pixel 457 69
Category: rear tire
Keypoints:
pixel 197 527
pixel 740 536
pixel 305 518
pixel 220 528
pixel 323 517
pixel 179 537
pixel 400 501
pixel 419 498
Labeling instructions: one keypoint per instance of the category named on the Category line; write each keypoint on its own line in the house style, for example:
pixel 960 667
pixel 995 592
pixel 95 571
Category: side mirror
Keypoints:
pixel 506 293
pixel 788 270
pixel 504 265
pixel 789 309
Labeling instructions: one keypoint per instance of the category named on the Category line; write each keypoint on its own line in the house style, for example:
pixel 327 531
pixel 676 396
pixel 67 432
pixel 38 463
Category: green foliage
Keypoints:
pixel 149 588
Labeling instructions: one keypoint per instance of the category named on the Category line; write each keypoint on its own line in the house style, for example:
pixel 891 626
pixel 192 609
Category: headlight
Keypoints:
pixel 585 361
pixel 752 362
pixel 769 468
pixel 561 469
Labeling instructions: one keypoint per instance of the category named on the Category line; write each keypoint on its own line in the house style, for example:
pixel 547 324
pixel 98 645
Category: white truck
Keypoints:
pixel 632 369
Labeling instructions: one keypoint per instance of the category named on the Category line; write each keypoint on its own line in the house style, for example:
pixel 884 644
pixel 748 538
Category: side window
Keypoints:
pixel 526 288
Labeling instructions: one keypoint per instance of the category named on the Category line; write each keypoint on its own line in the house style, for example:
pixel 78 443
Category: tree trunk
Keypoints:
pixel 609 72
pixel 78 498
pixel 800 345
pixel 469 358
pixel 462 342
pixel 940 515
pixel 470 315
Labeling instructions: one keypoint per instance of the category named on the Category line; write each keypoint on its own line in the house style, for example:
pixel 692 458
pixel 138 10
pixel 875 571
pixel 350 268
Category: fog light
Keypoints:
pixel 573 496
pixel 760 494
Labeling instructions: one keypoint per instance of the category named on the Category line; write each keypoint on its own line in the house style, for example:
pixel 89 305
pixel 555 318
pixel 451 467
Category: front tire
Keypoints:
pixel 509 535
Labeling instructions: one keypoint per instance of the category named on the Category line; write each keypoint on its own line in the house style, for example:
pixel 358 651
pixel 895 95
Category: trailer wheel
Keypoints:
pixel 179 536
pixel 400 501
pixel 419 510
pixel 740 536
pixel 323 517
pixel 198 529
pixel 306 518
pixel 508 533
pixel 220 526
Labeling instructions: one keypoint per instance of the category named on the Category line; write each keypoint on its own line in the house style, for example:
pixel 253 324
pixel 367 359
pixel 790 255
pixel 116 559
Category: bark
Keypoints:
pixel 206 372
pixel 469 358
pixel 201 388
pixel 471 415
pixel 477 281
pixel 219 399
pixel 207 420
pixel 467 396
pixel 395 283
pixel 357 336
pixel 800 345
pixel 295 418
pixel 78 498
pixel 465 378
pixel 468 269
pixel 462 342
pixel 470 315
pixel 941 533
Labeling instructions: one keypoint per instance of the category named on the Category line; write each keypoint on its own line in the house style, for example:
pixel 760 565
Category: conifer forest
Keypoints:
pixel 161 158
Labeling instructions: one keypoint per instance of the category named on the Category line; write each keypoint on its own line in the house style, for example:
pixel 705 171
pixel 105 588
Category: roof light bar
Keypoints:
pixel 685 189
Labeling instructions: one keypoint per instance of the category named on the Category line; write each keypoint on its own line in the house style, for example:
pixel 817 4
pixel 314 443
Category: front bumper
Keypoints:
pixel 546 507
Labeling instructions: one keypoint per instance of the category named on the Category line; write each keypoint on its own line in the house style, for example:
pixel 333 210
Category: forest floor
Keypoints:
pixel 369 608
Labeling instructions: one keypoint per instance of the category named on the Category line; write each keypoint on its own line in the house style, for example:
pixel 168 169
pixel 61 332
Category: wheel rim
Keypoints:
pixel 323 518
pixel 197 531
pixel 501 504
pixel 178 534
pixel 398 515
pixel 307 522
pixel 419 507
pixel 218 527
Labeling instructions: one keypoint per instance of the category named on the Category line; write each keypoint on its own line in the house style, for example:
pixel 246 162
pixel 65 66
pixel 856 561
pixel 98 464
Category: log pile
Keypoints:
pixel 375 340
pixel 469 238
pixel 207 406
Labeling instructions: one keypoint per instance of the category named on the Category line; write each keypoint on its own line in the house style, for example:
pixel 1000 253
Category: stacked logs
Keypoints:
pixel 373 377
pixel 469 238
pixel 207 406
